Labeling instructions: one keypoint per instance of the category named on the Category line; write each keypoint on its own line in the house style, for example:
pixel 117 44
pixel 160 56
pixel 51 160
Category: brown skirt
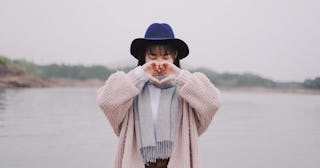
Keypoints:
pixel 160 163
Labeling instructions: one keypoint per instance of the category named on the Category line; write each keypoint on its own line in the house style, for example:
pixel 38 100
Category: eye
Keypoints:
pixel 152 56
pixel 166 56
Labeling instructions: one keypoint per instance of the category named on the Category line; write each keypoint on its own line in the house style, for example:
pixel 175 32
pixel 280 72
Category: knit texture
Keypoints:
pixel 199 100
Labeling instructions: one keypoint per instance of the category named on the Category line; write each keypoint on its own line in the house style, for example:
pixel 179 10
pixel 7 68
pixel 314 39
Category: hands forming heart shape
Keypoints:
pixel 155 69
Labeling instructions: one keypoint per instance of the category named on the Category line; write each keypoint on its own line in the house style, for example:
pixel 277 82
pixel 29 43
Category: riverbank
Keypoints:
pixel 271 90
pixel 31 81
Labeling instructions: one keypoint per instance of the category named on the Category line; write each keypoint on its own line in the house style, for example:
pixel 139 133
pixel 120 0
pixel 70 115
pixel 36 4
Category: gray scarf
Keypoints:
pixel 156 145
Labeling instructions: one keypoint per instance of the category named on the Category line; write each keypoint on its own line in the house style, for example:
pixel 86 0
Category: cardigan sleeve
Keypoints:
pixel 115 98
pixel 202 96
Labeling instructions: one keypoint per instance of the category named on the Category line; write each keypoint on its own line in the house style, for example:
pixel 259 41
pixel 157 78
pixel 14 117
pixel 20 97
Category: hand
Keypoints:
pixel 154 68
pixel 170 70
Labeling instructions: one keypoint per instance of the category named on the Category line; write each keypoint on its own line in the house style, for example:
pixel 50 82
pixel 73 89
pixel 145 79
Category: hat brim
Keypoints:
pixel 138 46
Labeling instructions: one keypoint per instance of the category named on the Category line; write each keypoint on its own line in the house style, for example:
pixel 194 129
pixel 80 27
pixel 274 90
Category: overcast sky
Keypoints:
pixel 278 39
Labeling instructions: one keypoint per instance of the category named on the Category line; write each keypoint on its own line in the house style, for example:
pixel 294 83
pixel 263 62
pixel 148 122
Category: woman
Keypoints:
pixel 158 110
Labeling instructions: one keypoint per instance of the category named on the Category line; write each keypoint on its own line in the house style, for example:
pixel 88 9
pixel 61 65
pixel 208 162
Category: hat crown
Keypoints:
pixel 159 31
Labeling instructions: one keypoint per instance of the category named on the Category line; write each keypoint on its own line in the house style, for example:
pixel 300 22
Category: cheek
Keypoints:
pixel 170 60
pixel 147 59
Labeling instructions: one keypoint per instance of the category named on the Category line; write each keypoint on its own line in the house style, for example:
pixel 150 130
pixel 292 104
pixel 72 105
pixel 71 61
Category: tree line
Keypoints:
pixel 82 72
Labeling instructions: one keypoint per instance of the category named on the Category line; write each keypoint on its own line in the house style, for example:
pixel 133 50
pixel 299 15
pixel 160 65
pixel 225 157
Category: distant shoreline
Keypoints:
pixel 270 90
pixel 31 81
pixel 23 73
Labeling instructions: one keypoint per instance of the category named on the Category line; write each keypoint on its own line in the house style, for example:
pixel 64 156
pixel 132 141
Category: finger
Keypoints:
pixel 158 68
pixel 167 79
pixel 161 69
pixel 154 65
pixel 172 68
pixel 165 64
pixel 153 79
pixel 149 67
pixel 155 68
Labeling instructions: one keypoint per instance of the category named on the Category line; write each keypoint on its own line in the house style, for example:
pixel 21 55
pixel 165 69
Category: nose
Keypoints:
pixel 160 59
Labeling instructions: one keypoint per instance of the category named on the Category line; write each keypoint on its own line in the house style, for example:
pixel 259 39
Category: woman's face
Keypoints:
pixel 158 53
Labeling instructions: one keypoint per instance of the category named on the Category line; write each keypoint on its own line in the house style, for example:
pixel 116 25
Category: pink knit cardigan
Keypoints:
pixel 199 100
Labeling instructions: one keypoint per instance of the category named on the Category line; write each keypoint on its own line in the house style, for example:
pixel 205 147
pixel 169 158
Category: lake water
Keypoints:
pixel 63 127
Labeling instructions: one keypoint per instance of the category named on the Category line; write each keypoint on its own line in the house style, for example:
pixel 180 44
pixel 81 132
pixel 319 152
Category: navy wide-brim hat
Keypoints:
pixel 158 32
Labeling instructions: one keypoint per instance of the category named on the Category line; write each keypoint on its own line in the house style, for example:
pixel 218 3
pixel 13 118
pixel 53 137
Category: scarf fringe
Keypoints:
pixel 162 150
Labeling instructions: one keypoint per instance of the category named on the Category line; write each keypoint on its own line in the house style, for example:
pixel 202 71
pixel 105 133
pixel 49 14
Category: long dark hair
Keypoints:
pixel 167 46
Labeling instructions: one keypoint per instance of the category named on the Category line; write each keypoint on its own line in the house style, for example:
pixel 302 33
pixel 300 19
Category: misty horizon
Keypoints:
pixel 124 64
pixel 278 40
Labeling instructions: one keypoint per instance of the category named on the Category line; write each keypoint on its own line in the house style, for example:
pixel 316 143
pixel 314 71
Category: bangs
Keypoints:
pixel 162 45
